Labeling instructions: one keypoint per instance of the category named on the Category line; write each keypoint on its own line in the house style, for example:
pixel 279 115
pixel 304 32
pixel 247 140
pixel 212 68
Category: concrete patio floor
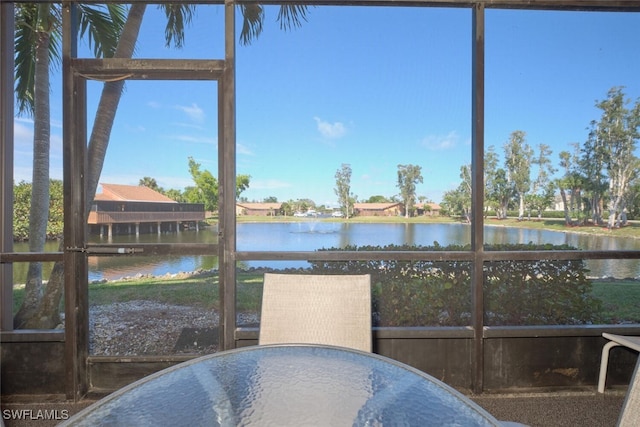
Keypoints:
pixel 556 409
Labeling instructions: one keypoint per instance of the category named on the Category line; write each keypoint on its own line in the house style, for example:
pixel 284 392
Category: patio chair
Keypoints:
pixel 614 341
pixel 316 309
pixel 630 413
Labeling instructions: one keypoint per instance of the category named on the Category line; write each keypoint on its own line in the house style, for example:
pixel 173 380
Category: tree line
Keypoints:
pixel 598 181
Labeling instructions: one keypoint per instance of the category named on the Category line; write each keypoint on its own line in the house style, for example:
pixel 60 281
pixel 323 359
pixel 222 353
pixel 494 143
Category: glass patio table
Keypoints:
pixel 286 385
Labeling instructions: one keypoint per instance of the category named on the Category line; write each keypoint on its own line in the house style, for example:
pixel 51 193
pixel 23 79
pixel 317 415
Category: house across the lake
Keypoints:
pixel 377 209
pixel 428 209
pixel 136 209
pixel 258 209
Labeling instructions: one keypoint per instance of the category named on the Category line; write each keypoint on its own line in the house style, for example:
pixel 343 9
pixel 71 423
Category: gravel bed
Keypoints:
pixel 145 328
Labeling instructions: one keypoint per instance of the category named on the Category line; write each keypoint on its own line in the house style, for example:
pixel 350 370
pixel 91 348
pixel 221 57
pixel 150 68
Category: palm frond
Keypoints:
pixel 24 70
pixel 292 16
pixel 26 17
pixel 253 18
pixel 178 16
pixel 103 26
pixel 55 35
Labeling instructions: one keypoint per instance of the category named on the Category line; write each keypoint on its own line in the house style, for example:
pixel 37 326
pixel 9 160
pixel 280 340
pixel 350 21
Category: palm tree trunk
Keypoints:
pixel 567 217
pixel 109 100
pixel 39 212
pixel 43 313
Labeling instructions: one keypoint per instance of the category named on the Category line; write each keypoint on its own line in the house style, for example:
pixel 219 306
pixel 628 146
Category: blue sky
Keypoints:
pixel 371 87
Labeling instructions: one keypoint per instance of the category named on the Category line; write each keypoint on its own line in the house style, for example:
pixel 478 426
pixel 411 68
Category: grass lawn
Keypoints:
pixel 630 230
pixel 620 300
pixel 197 291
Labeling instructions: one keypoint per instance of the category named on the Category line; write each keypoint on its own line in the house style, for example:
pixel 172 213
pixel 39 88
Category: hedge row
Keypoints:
pixel 438 293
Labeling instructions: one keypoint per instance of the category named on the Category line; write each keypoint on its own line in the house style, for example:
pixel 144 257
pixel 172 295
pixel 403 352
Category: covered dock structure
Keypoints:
pixel 130 209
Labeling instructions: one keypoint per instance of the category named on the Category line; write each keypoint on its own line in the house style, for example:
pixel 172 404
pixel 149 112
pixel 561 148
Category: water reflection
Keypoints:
pixel 313 235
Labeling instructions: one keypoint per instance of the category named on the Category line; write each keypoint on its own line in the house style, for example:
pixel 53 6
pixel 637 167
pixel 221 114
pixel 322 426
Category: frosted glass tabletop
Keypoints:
pixel 286 385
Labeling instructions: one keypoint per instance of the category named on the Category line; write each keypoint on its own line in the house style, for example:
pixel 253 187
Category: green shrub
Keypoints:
pixel 538 292
pixel 438 293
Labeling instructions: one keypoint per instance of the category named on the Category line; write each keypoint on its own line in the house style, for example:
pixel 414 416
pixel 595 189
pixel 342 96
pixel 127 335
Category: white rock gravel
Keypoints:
pixel 146 328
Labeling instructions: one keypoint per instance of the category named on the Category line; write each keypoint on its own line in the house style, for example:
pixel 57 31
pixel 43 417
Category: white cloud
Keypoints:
pixel 441 142
pixel 330 130
pixel 195 139
pixel 194 112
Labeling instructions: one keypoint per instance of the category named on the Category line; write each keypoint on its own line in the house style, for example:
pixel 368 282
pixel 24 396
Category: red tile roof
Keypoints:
pixel 131 193
pixel 375 206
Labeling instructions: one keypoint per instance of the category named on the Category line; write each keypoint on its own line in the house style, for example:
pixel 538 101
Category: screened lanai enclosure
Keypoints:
pixel 519 119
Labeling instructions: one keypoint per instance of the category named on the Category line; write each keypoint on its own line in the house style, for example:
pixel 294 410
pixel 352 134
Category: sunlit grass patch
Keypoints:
pixel 200 291
pixel 620 300
pixel 196 291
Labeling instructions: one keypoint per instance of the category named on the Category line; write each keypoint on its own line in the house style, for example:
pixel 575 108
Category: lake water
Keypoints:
pixel 313 235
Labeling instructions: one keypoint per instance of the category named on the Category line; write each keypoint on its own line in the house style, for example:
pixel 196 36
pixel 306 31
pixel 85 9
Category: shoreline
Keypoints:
pixel 262 270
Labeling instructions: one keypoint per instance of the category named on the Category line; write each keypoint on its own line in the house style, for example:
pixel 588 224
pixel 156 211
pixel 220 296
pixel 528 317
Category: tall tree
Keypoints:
pixel 242 183
pixel 617 135
pixel 592 164
pixel 459 201
pixel 343 189
pixel 545 167
pixel 41 311
pixel 541 194
pixel 518 155
pixel 206 187
pixel 408 177
pixel 465 191
pixel 453 202
pixel 502 192
pixel 38 32
pixel 490 171
pixel 41 21
pixel 570 180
